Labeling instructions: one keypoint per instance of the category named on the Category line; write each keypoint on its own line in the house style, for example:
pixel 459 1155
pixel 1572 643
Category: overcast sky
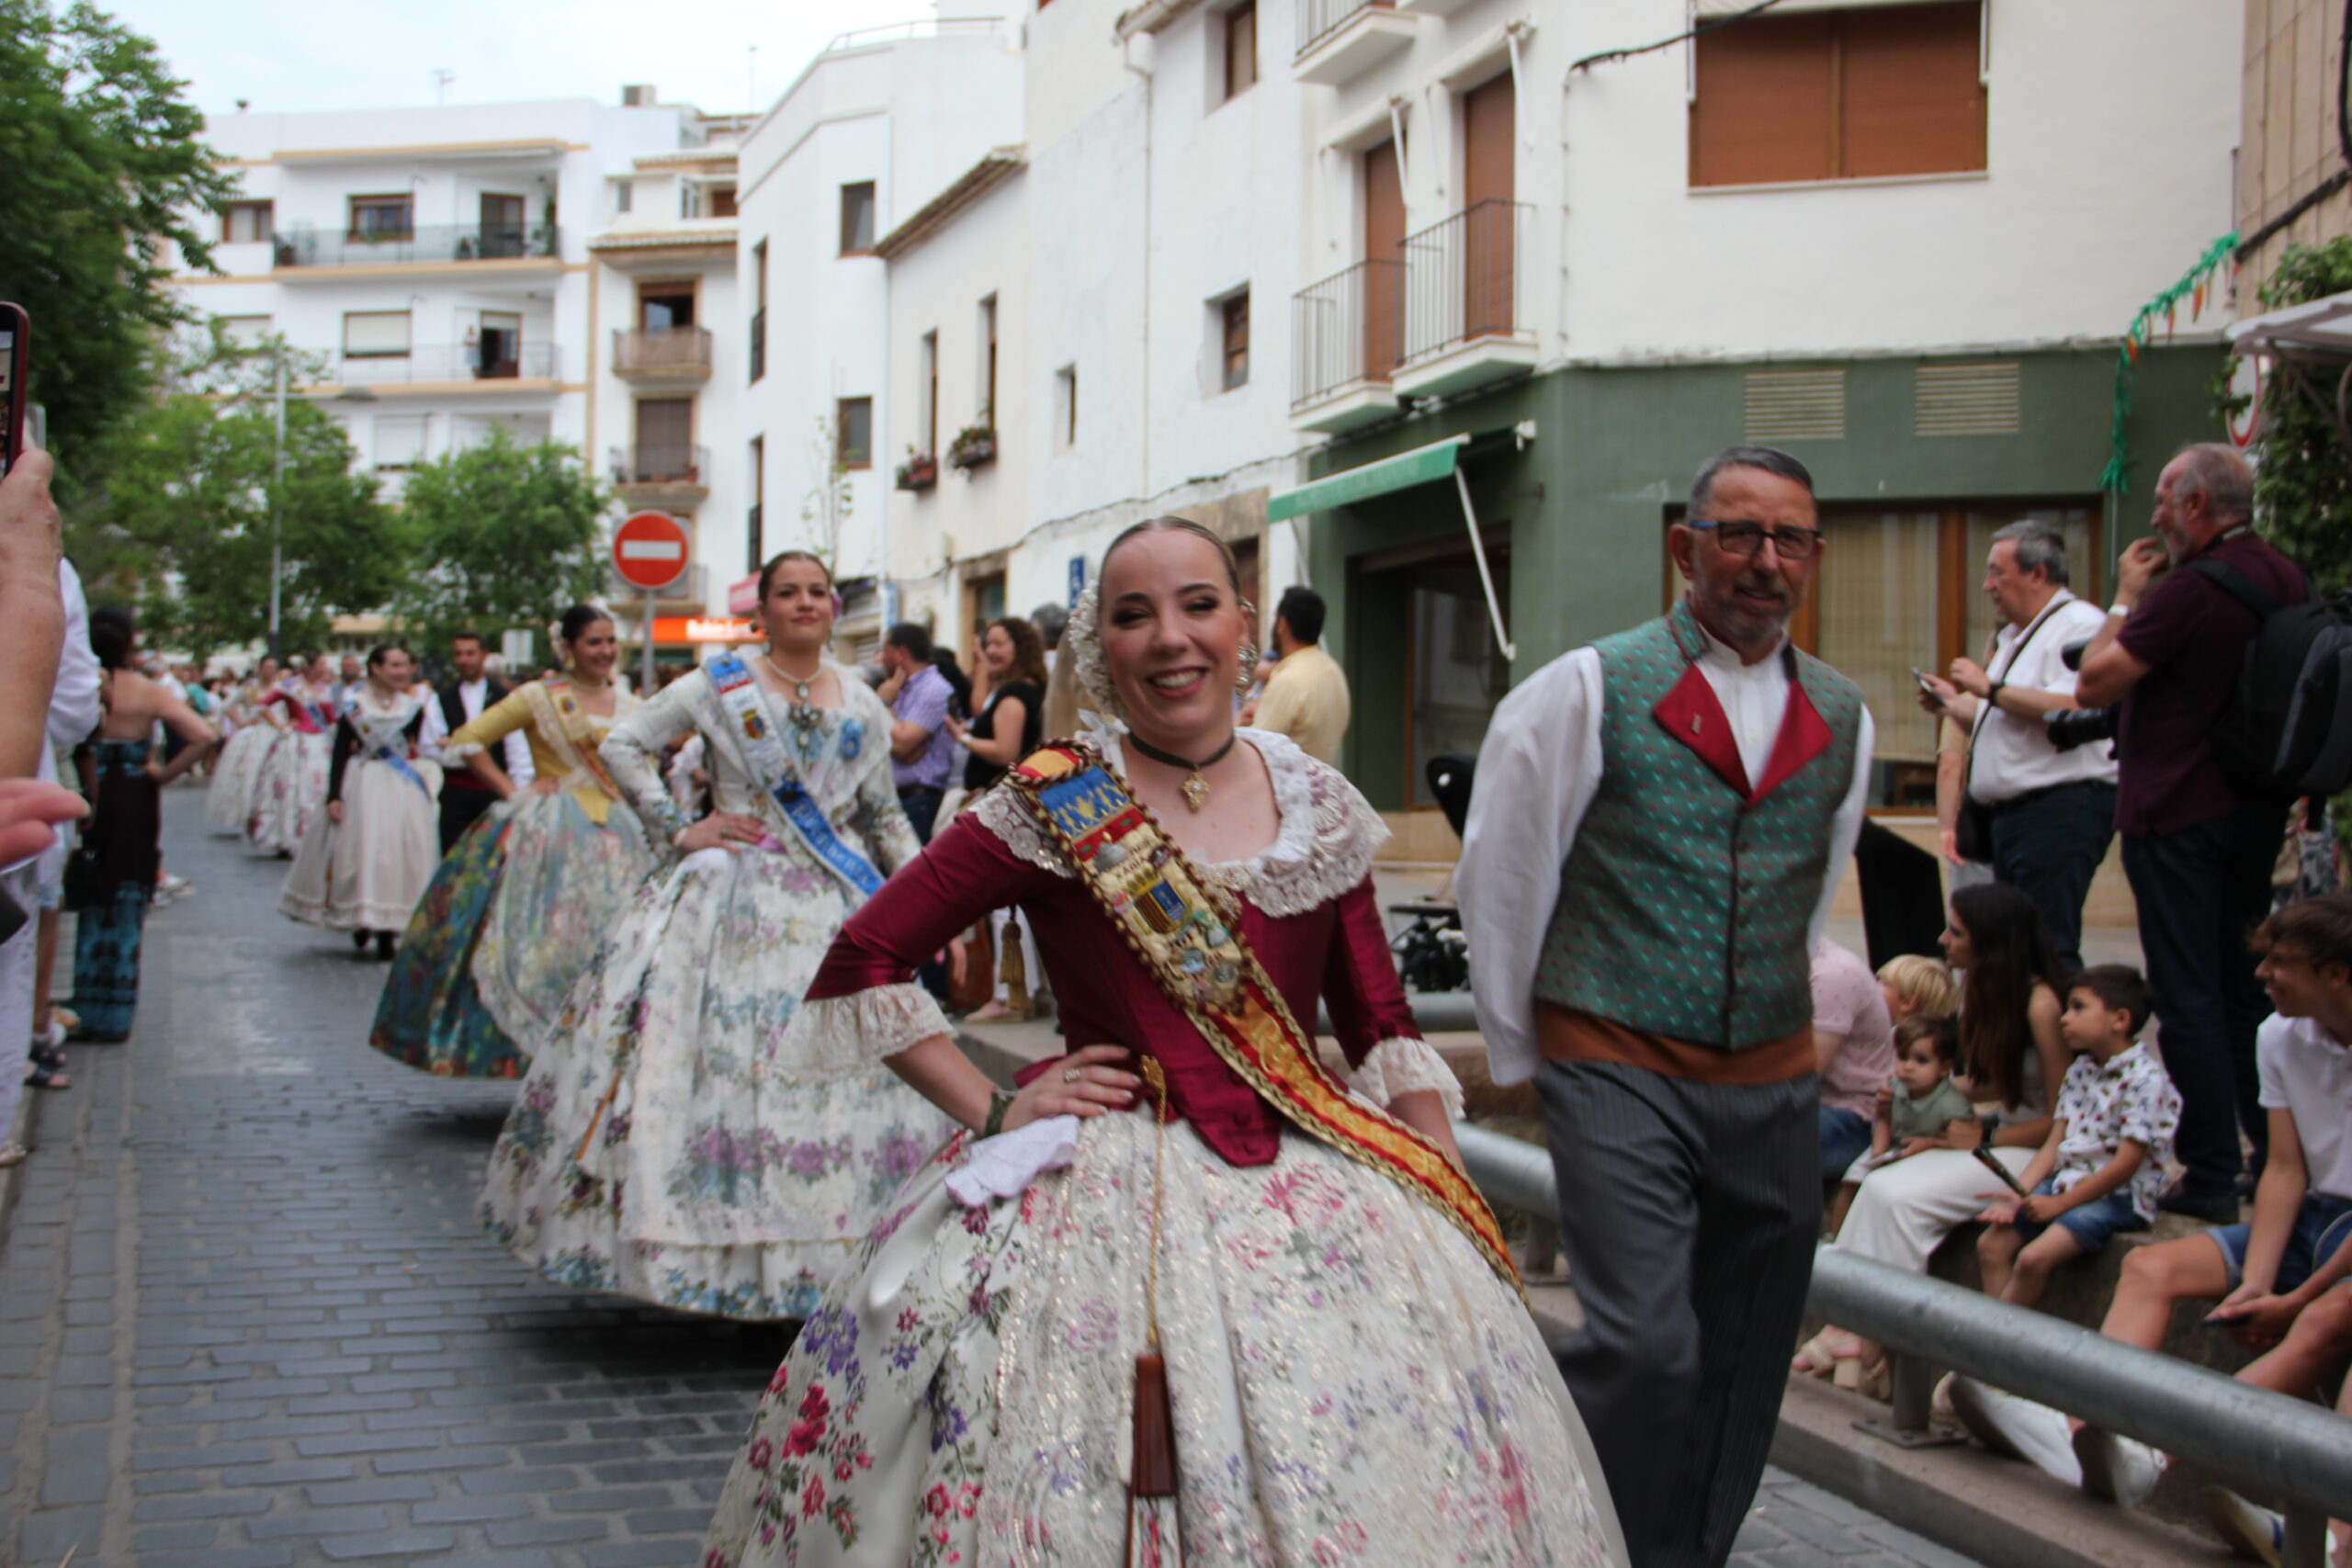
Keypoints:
pixel 320 54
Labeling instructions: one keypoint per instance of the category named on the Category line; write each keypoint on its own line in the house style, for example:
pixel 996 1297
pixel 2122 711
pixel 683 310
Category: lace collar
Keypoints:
pixel 1323 848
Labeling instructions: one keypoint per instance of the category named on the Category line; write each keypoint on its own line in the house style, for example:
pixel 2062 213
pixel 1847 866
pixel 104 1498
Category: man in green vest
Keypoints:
pixel 1656 832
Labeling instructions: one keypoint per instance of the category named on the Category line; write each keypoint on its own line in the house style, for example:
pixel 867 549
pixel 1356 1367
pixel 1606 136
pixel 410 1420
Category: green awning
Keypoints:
pixel 1422 465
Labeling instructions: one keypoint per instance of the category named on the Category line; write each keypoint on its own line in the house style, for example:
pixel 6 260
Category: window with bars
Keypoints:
pixel 1839 94
pixel 383 217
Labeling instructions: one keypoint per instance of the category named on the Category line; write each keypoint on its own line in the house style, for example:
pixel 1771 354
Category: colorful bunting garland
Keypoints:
pixel 2197 287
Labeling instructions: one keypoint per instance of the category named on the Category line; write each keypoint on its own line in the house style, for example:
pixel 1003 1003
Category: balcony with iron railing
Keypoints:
pixel 432 244
pixel 665 467
pixel 451 364
pixel 1465 318
pixel 1340 40
pixel 1345 342
pixel 673 353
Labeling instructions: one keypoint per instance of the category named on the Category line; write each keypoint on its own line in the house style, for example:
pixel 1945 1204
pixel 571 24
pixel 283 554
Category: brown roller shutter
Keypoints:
pixel 1911 102
pixel 1384 241
pixel 1765 92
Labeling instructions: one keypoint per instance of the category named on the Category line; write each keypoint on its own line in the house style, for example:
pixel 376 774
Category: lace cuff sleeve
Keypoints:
pixel 1400 1064
pixel 845 1032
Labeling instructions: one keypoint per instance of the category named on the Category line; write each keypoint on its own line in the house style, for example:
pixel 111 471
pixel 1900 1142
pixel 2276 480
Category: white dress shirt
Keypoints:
pixel 2014 756
pixel 1538 771
pixel 471 694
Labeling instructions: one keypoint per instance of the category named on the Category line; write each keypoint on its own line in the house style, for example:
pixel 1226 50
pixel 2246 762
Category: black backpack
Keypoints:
pixel 2286 731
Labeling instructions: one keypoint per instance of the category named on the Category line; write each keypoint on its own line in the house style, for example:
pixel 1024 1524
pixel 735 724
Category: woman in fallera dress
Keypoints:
pixel 290 781
pixel 521 902
pixel 679 1138
pixel 229 798
pixel 369 854
pixel 1190 1299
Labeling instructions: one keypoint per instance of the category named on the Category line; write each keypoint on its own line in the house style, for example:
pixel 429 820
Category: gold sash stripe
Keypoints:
pixel 1192 947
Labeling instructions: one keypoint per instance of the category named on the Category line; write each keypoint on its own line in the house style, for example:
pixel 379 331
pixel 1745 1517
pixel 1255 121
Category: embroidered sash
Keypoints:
pixel 772 769
pixel 570 731
pixel 382 738
pixel 1192 948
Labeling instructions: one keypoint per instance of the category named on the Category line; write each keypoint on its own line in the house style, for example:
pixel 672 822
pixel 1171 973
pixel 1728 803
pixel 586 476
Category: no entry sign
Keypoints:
pixel 650 550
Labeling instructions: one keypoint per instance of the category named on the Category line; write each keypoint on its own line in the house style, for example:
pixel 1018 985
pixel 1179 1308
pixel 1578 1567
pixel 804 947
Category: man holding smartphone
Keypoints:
pixel 2050 813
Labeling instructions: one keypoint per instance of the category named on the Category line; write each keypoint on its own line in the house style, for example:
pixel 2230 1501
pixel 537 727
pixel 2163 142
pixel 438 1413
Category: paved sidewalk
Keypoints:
pixel 247 1320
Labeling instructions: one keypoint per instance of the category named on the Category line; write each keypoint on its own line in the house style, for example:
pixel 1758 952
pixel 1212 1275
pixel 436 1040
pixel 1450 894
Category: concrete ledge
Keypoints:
pixel 2004 1514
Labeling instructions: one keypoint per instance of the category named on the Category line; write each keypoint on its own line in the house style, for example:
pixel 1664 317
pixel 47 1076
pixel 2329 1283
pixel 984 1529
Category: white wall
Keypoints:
pixel 2110 129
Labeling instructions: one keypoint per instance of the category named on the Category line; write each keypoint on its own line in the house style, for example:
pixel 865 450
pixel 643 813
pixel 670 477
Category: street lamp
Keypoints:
pixel 277 479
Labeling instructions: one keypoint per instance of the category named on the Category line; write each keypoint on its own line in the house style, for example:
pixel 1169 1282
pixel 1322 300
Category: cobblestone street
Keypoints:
pixel 247 1319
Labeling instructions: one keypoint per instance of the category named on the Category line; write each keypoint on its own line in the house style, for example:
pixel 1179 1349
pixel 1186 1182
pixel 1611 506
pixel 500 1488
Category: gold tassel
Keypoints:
pixel 1012 968
pixel 1154 1539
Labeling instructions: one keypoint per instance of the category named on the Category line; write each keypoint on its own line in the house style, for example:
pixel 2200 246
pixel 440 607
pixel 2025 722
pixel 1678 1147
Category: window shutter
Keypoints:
pixel 376 333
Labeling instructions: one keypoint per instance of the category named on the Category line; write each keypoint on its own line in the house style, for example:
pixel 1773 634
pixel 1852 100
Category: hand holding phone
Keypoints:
pixel 15 345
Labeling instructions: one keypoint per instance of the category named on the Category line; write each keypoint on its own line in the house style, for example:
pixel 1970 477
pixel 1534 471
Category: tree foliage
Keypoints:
pixel 182 515
pixel 2302 481
pixel 506 536
pixel 102 177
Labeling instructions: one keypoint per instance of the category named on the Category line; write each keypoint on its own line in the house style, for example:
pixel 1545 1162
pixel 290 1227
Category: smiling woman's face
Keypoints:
pixel 797 613
pixel 1172 633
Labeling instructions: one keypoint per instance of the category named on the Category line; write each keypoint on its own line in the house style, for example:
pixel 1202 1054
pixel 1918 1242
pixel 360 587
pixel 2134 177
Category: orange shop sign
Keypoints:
pixel 703 628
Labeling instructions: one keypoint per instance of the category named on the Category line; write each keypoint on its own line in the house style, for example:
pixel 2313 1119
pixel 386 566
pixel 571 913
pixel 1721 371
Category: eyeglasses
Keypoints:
pixel 1747 538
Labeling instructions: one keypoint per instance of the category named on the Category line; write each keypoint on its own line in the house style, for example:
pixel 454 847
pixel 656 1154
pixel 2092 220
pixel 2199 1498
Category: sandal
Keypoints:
pixel 1875 1383
pixel 1814 1358
pixel 13 1153
pixel 40 1075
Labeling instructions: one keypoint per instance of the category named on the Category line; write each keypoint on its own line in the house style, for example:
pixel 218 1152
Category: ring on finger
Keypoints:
pixel 1072 1075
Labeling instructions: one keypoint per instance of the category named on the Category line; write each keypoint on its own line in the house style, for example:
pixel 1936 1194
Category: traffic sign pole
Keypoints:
pixel 646 690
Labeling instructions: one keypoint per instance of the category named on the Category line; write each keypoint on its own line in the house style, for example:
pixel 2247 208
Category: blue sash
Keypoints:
pixel 738 695
pixel 382 738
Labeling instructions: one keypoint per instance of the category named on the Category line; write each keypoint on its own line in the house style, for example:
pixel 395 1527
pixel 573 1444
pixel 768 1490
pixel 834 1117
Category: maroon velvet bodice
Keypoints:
pixel 1337 952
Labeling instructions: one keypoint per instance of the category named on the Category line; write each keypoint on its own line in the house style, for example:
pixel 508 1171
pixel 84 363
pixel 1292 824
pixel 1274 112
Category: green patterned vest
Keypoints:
pixel 1684 904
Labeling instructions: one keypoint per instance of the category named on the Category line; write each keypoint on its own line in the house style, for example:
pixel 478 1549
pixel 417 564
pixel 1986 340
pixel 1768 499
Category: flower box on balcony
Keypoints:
pixel 973 446
pixel 920 471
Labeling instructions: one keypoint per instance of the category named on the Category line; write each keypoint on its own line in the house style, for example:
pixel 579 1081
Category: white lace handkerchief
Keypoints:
pixel 1005 1165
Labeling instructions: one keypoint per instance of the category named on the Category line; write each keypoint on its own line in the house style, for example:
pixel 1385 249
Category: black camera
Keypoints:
pixel 2070 728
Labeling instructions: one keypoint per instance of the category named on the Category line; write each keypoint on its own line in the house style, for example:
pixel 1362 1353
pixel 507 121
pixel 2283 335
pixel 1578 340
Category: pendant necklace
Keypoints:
pixel 805 715
pixel 1196 788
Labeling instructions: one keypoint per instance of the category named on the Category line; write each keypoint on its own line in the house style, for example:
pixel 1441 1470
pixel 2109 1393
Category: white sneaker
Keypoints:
pixel 2253 1533
pixel 2017 1428
pixel 2117 1469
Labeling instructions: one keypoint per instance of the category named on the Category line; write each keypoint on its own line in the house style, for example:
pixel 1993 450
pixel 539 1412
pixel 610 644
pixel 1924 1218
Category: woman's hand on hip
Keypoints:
pixel 722 830
pixel 1086 1082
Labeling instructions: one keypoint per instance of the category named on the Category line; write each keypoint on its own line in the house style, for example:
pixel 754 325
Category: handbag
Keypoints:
pixel 86 886
pixel 1971 830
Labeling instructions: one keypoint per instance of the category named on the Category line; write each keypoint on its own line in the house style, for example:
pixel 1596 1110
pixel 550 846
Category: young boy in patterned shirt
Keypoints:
pixel 2103 1163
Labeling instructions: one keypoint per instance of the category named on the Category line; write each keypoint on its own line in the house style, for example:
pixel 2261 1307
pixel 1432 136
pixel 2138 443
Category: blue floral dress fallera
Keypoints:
pixel 674 1141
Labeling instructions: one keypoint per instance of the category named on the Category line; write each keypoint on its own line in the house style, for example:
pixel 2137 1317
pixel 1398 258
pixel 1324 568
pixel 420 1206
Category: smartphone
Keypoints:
pixel 2229 1325
pixel 1985 1157
pixel 1921 676
pixel 16 342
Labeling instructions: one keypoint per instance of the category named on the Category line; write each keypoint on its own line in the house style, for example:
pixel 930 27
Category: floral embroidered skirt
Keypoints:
pixel 367 872
pixel 430 1016
pixel 517 911
pixel 675 1140
pixel 1351 1382
pixel 289 792
pixel 229 798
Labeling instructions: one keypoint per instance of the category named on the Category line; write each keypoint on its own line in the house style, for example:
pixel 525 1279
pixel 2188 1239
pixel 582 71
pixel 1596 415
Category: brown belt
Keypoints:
pixel 1564 1035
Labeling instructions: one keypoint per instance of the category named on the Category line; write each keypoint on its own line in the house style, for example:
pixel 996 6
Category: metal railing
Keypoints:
pixel 1464 277
pixel 2261 1442
pixel 759 343
pixel 660 463
pixel 449 362
pixel 1344 329
pixel 436 243
pixel 672 351
pixel 904 33
pixel 1319 19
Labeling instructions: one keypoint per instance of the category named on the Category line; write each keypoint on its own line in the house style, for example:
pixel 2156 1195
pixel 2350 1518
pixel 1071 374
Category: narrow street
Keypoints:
pixel 247 1320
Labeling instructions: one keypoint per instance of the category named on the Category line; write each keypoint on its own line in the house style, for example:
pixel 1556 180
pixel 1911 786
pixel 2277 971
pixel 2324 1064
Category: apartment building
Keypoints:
pixel 879 124
pixel 1551 269
pixel 1087 328
pixel 2292 180
pixel 663 310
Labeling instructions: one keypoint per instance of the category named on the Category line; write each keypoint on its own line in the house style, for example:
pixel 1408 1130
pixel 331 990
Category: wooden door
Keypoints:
pixel 1384 249
pixel 1489 248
